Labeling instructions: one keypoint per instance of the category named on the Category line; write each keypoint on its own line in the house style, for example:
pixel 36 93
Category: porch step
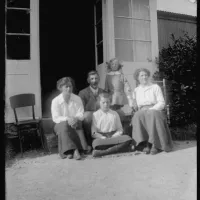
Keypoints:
pixel 51 141
pixel 50 138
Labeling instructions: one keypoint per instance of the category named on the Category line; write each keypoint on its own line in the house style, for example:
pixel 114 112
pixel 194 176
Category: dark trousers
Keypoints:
pixel 87 123
pixel 102 144
pixel 70 138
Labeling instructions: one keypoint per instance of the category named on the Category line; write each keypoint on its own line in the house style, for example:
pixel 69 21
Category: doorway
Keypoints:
pixel 67 46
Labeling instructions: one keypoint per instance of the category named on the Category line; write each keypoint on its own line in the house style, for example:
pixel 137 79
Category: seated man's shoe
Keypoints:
pixel 88 150
pixel 146 150
pixel 97 153
pixel 63 156
pixel 132 148
pixel 119 148
pixel 77 155
pixel 154 151
pixel 141 146
pixel 69 156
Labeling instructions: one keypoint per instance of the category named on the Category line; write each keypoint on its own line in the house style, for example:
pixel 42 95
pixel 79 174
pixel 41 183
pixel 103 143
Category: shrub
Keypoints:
pixel 176 63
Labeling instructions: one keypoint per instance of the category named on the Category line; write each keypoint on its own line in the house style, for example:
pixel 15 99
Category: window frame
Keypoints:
pixel 17 34
pixel 101 42
pixel 131 29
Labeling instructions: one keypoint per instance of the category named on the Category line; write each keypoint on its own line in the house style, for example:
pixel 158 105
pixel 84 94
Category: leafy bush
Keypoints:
pixel 176 63
pixel 187 132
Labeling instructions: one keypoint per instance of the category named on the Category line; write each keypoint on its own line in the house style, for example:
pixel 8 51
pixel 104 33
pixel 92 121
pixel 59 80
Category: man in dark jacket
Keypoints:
pixel 90 102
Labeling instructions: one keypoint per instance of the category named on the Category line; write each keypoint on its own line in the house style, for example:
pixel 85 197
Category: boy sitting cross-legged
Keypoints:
pixel 107 130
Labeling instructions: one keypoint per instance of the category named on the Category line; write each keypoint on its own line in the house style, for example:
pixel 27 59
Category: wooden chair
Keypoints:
pixel 26 126
pixel 164 84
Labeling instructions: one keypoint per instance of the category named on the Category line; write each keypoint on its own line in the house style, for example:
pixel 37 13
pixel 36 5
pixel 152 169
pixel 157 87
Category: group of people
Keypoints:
pixel 92 120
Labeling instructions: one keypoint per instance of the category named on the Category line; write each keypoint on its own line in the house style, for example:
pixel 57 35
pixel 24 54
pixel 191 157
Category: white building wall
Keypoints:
pixel 109 47
pixel 23 76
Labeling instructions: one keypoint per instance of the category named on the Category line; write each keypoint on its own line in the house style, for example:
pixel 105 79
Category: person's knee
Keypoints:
pixel 155 113
pixel 125 138
pixel 138 115
pixel 62 126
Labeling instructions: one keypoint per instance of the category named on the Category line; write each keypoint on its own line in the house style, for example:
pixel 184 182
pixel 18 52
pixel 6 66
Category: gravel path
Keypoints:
pixel 166 176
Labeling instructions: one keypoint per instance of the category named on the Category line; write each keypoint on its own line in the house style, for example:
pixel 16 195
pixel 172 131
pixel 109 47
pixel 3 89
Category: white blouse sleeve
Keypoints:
pixel 80 109
pixel 55 112
pixel 159 98
pixel 118 125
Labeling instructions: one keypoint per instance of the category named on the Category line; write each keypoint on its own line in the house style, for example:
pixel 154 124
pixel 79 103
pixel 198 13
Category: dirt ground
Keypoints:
pixel 130 176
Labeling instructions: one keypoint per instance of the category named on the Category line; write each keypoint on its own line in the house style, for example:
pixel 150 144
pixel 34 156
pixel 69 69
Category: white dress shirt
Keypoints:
pixel 106 122
pixel 62 111
pixel 148 95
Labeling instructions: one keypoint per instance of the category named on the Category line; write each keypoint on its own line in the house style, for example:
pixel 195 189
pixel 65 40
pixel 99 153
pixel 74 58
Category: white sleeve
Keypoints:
pixel 80 109
pixel 55 112
pixel 159 98
pixel 118 124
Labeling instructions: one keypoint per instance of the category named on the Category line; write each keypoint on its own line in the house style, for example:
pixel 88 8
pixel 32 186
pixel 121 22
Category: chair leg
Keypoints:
pixel 41 137
pixel 20 142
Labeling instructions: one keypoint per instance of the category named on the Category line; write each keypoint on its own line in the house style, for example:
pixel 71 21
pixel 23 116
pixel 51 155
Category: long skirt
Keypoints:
pixel 151 126
pixel 101 144
pixel 70 138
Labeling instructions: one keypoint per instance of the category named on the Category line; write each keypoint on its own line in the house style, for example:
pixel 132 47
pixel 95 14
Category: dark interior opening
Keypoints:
pixel 67 46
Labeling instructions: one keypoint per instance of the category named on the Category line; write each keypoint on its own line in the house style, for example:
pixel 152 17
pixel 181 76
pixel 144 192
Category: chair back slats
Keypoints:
pixel 22 100
pixel 33 111
pixel 16 118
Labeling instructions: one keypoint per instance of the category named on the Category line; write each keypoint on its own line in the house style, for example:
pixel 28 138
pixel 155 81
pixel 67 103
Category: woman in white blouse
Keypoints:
pixel 67 112
pixel 149 122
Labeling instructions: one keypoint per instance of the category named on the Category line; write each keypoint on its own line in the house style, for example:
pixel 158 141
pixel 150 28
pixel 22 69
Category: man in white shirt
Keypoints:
pixel 89 98
pixel 67 112
pixel 107 130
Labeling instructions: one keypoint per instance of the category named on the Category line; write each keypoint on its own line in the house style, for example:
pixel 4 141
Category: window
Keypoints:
pixel 99 31
pixel 17 34
pixel 132 30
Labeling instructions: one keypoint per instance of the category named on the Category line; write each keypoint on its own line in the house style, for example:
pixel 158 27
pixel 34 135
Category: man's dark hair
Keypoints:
pixel 93 72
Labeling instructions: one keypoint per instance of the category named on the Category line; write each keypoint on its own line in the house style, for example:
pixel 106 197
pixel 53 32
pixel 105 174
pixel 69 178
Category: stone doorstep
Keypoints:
pixel 50 139
pixel 47 125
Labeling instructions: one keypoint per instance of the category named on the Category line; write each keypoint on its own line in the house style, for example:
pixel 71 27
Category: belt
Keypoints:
pixel 146 106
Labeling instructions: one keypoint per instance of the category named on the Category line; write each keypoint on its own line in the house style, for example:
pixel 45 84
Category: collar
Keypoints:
pixel 146 87
pixel 93 90
pixel 61 99
pixel 105 112
pixel 114 73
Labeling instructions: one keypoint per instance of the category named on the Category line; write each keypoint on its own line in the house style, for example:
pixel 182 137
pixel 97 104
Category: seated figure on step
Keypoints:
pixel 67 112
pixel 89 98
pixel 107 130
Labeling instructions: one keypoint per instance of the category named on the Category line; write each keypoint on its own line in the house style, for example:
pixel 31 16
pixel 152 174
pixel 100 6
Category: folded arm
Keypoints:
pixel 94 130
pixel 160 105
pixel 118 125
pixel 80 110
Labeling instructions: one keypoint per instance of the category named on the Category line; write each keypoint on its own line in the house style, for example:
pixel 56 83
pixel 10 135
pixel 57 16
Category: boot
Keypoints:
pixel 124 147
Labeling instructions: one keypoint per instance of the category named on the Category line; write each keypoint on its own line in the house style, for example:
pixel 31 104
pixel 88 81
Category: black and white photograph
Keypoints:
pixel 100 100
